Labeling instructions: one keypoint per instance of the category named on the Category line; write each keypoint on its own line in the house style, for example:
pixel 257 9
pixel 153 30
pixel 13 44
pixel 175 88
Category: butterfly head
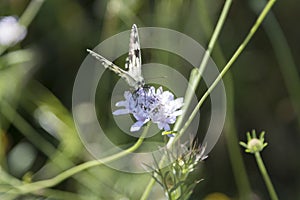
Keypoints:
pixel 140 82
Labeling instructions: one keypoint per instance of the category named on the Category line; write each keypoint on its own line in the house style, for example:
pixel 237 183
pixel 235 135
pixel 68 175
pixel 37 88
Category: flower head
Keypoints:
pixel 147 104
pixel 254 144
pixel 11 32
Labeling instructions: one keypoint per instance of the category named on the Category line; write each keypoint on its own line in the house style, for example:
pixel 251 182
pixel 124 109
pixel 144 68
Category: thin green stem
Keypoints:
pixel 234 152
pixel 16 119
pixel 194 81
pixel 147 191
pixel 37 140
pixel 284 57
pixel 30 12
pixel 7 182
pixel 7 179
pixel 266 177
pixel 59 159
pixel 214 84
pixel 27 188
pixel 229 64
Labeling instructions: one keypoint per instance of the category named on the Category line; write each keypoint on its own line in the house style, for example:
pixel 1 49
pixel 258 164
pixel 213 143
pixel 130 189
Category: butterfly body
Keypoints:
pixel 133 74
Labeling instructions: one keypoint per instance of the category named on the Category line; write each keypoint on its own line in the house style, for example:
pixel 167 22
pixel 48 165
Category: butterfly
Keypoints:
pixel 133 76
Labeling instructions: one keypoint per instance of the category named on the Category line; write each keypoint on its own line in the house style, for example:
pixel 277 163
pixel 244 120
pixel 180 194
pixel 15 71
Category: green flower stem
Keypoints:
pixel 234 152
pixel 194 81
pixel 223 72
pixel 229 64
pixel 27 16
pixel 195 77
pixel 30 12
pixel 147 191
pixel 38 141
pixel 31 187
pixel 18 121
pixel 266 177
pixel 7 181
pixel 56 156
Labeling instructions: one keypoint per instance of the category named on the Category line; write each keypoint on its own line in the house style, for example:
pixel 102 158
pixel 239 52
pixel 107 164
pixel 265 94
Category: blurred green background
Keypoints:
pixel 37 130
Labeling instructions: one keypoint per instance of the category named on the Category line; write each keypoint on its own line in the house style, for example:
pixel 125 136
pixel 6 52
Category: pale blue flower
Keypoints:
pixel 147 104
pixel 11 32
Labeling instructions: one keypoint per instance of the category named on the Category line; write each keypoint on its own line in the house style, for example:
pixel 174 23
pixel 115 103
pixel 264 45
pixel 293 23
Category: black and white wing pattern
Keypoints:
pixel 111 66
pixel 134 59
pixel 133 76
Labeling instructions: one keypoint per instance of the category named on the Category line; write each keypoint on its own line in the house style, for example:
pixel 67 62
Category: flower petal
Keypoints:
pixel 136 126
pixel 121 112
pixel 177 113
pixel 167 127
pixel 121 103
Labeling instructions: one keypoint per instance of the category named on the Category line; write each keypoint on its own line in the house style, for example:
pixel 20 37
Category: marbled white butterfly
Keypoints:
pixel 133 76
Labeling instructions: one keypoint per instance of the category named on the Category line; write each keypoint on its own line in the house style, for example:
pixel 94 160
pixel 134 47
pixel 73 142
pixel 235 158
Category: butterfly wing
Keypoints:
pixel 134 60
pixel 109 65
pixel 133 76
